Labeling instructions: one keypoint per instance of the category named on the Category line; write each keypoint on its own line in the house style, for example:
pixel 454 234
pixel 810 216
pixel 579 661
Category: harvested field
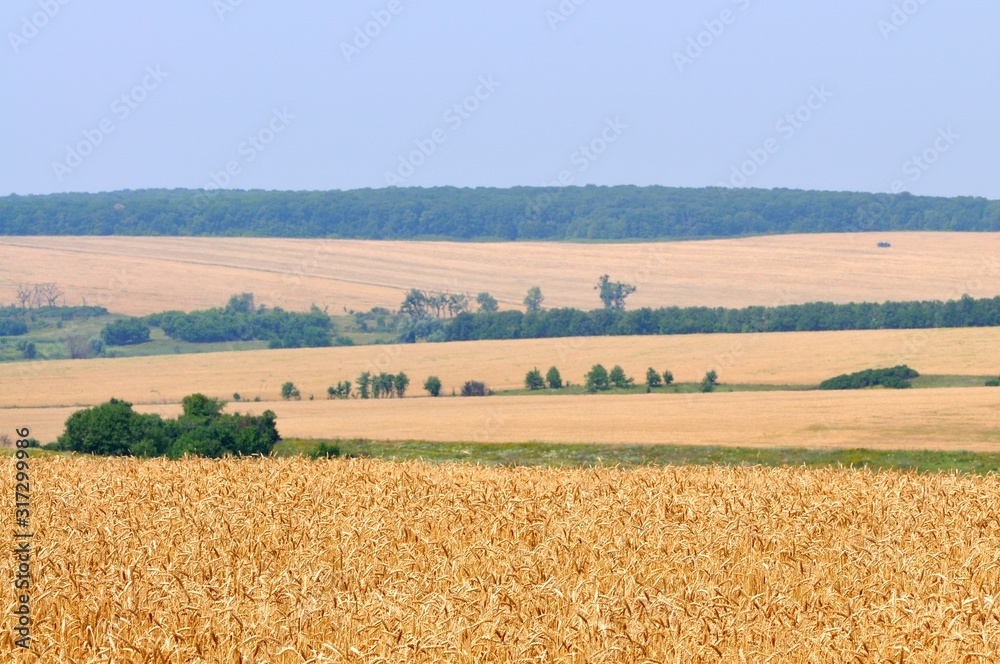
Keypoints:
pixel 293 561
pixel 933 419
pixel 792 358
pixel 143 275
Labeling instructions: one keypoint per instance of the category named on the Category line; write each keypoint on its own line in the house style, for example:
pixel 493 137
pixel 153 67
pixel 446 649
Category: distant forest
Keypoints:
pixel 519 213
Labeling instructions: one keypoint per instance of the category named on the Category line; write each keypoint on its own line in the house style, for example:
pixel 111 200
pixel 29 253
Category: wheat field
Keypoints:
pixel 364 561
pixel 787 358
pixel 142 275
pixel 927 419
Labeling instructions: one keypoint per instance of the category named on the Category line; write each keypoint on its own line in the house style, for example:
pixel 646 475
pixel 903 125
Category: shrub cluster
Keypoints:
pixel 114 429
pixel 897 377
pixel 125 332
pixel 241 320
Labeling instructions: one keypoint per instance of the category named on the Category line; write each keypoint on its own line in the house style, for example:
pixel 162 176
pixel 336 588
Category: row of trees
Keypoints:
pixel 566 322
pixel 518 213
pixel 369 386
pixel 115 429
pixel 34 296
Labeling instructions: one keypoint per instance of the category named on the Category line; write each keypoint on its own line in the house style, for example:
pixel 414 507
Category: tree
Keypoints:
pixel 26 294
pixel 653 378
pixel 48 294
pixel 618 377
pixel 289 391
pixel 533 300
pixel 597 378
pixel 27 349
pixel 198 406
pixel 341 391
pixel 415 304
pixel 668 377
pixel 401 382
pixel 613 293
pixel 474 388
pixel 125 332
pixel 79 347
pixel 554 379
pixel 533 380
pixel 364 384
pixel 111 429
pixel 241 304
pixel 433 385
pixel 383 385
pixel 709 381
pixel 487 303
pixel 457 303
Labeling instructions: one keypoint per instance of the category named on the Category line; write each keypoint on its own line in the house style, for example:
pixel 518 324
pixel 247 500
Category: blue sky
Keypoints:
pixel 868 95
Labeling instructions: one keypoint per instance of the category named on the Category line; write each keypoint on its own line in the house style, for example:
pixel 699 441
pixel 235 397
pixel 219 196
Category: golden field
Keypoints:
pixel 143 275
pixel 41 395
pixel 280 561
pixel 930 419
pixel 787 358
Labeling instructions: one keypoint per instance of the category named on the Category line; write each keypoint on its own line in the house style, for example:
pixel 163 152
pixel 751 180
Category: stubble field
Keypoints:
pixel 43 394
pixel 143 275
pixel 360 561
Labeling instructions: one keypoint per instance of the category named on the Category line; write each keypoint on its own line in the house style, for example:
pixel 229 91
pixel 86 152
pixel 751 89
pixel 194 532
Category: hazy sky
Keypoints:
pixel 865 95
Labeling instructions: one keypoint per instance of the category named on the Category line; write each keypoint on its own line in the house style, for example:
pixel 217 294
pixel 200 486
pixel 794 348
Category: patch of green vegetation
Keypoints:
pixel 627 456
pixel 949 380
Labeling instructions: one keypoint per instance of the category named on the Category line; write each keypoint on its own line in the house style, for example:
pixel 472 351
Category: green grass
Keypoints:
pixel 944 380
pixel 570 454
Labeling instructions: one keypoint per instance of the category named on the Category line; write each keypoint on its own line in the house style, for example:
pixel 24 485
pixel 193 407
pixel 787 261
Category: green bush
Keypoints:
pixel 653 378
pixel 597 379
pixel 554 378
pixel 433 385
pixel 125 332
pixel 325 451
pixel 709 381
pixel 289 391
pixel 533 380
pixel 897 377
pixel 474 388
pixel 619 379
pixel 114 429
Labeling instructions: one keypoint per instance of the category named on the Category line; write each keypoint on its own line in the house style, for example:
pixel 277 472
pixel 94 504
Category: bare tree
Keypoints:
pixel 458 303
pixel 26 294
pixel 78 346
pixel 48 293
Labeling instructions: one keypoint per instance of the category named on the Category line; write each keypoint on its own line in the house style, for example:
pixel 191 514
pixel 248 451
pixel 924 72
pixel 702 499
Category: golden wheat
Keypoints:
pixel 365 561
